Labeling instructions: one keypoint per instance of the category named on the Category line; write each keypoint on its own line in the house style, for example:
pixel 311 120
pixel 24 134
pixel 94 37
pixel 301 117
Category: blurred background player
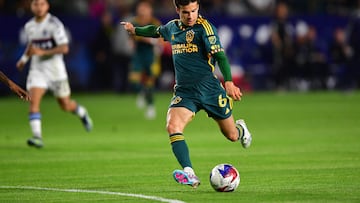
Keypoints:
pixel 47 42
pixel 283 53
pixel 142 75
pixel 14 87
pixel 196 48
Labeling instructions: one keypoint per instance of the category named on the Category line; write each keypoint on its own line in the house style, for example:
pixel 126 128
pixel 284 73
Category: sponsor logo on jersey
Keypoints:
pixel 189 47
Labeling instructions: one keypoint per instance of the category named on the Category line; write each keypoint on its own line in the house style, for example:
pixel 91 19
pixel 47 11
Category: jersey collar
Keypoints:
pixel 46 18
pixel 182 26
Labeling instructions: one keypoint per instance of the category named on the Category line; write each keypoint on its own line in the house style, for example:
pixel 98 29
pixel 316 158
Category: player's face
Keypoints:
pixel 189 13
pixel 144 10
pixel 39 8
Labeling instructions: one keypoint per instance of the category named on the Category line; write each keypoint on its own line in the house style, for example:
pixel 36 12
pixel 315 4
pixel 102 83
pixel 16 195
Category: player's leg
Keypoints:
pixel 36 94
pixel 235 131
pixel 219 106
pixel 152 70
pixel 135 77
pixel 61 90
pixel 177 119
pixel 149 97
pixel 69 105
pixel 229 129
pixel 135 81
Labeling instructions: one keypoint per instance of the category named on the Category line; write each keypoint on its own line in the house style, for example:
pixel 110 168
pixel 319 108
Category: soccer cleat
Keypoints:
pixel 140 101
pixel 35 142
pixel 87 122
pixel 186 178
pixel 150 113
pixel 245 138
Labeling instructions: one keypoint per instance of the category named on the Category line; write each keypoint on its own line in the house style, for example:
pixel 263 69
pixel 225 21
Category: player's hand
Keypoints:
pixel 129 27
pixel 19 91
pixel 33 50
pixel 233 91
pixel 20 65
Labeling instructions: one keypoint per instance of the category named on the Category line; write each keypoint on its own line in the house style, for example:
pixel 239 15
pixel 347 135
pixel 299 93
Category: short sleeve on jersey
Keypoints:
pixel 210 37
pixel 59 33
pixel 164 32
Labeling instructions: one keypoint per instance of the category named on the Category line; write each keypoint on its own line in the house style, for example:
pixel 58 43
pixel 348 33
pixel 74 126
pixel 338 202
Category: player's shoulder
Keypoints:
pixel 155 21
pixel 173 22
pixel 203 21
pixel 134 20
pixel 30 23
pixel 206 25
pixel 54 20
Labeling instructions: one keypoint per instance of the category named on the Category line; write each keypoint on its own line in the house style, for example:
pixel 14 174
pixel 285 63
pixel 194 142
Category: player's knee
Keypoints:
pixel 172 128
pixel 169 128
pixel 135 77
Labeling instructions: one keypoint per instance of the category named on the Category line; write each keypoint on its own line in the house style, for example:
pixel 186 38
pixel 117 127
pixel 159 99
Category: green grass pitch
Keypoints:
pixel 306 148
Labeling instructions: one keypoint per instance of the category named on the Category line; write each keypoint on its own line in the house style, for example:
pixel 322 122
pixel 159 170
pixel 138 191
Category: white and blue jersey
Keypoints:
pixel 46 35
pixel 48 72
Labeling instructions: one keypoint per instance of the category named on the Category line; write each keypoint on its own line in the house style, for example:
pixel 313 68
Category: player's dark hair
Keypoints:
pixel 141 2
pixel 179 3
pixel 48 1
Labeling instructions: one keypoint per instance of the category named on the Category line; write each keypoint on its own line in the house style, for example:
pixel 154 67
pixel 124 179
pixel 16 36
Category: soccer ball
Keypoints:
pixel 224 178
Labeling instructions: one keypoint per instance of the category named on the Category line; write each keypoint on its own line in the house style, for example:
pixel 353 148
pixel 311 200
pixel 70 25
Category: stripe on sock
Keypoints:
pixel 240 130
pixel 176 137
pixel 34 116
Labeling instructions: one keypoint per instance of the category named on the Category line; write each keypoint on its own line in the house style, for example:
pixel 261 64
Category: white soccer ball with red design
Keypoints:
pixel 224 178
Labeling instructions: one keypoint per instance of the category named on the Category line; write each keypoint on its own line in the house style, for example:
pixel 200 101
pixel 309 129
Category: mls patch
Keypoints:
pixel 176 100
pixel 212 39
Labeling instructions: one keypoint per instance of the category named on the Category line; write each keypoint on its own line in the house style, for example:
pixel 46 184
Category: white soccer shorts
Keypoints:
pixel 60 88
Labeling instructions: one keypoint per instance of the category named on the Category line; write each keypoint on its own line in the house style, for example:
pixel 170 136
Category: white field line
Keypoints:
pixel 160 199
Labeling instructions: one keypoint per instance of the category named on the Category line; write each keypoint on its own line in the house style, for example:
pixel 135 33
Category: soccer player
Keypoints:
pixel 47 42
pixel 14 87
pixel 196 47
pixel 142 77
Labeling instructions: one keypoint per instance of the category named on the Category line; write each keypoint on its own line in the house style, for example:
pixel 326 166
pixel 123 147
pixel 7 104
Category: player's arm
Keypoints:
pixel 14 87
pixel 148 40
pixel 145 31
pixel 60 49
pixel 224 65
pixel 4 78
pixel 24 58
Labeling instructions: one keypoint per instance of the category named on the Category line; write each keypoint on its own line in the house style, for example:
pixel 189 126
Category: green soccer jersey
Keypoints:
pixel 144 51
pixel 192 49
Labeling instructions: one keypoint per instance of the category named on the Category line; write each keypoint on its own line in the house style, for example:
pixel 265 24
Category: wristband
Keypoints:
pixel 24 58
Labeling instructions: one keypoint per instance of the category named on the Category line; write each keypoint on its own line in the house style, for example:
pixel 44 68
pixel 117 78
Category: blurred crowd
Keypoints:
pixel 299 60
pixel 302 61
pixel 165 7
